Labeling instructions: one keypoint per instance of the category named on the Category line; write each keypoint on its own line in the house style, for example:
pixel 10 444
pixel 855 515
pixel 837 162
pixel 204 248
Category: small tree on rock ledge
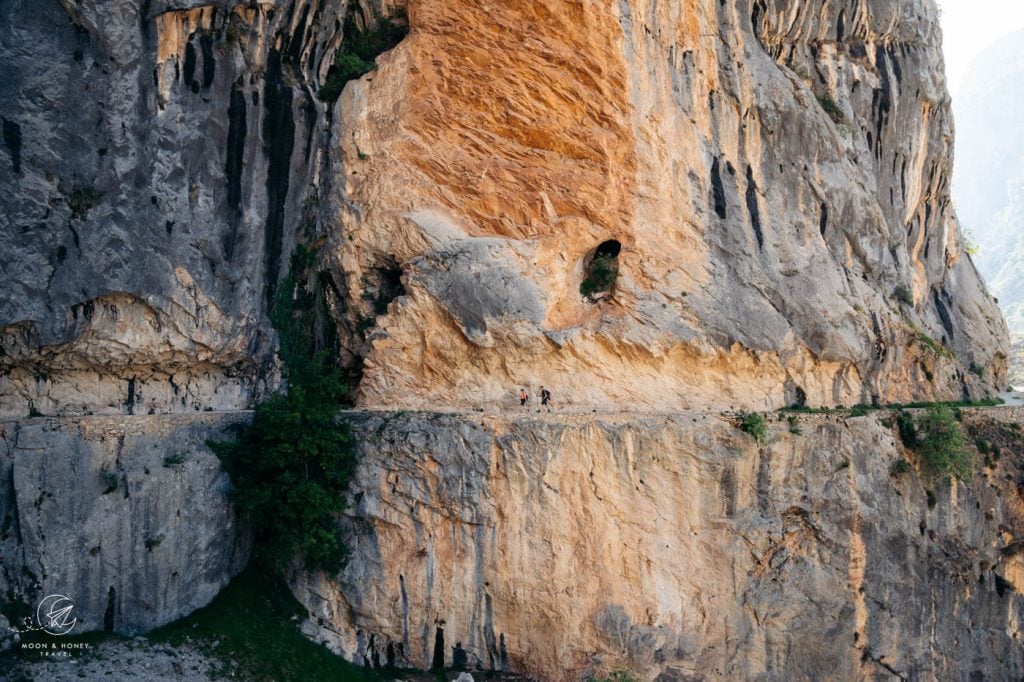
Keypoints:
pixel 291 466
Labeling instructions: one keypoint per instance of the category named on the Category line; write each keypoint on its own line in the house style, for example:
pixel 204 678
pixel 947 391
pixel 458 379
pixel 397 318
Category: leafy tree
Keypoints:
pixel 941 444
pixel 291 466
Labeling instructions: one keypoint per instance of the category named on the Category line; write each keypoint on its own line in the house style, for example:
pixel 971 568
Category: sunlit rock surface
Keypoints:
pixel 776 175
pixel 674 547
pixel 766 244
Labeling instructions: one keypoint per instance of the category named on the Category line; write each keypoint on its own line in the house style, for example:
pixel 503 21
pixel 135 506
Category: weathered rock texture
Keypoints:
pixel 677 548
pixel 763 240
pixel 776 175
pixel 127 516
pixel 160 158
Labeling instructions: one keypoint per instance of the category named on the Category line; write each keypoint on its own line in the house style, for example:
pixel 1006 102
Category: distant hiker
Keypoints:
pixel 523 397
pixel 545 398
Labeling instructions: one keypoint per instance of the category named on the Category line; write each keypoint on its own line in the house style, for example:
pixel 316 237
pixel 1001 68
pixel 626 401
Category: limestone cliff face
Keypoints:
pixel 159 159
pixel 674 547
pixel 764 242
pixel 128 516
pixel 776 174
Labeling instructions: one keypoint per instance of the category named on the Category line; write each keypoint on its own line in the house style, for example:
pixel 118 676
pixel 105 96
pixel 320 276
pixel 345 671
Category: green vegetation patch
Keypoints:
pixel 615 676
pixel 251 627
pixel 902 294
pixel 290 470
pixel 925 341
pixel 862 409
pixel 291 466
pixel 753 424
pixel 601 275
pixel 358 52
pixel 830 107
pixel 937 439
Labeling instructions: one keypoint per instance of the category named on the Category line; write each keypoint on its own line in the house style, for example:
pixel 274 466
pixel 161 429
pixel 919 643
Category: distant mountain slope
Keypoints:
pixel 988 180
pixel 1016 378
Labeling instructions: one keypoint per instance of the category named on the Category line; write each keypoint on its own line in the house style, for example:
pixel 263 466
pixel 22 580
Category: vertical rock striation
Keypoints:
pixel 675 547
pixel 127 516
pixel 160 159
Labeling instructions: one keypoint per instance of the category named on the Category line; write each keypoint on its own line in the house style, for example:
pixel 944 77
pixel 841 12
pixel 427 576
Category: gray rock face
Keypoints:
pixel 158 159
pixel 127 516
pixel 675 547
pixel 772 192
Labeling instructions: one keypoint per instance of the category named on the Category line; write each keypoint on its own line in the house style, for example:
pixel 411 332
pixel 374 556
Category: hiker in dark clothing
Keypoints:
pixel 523 397
pixel 545 398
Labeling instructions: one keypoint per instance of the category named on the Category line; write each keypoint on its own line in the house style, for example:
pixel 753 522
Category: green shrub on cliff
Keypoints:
pixel 601 275
pixel 936 437
pixel 754 424
pixel 358 52
pixel 291 466
pixel 290 470
pixel 941 444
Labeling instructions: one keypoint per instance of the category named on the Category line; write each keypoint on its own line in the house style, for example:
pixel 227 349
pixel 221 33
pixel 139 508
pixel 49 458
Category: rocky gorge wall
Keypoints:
pixel 160 161
pixel 775 174
pixel 675 547
pixel 126 515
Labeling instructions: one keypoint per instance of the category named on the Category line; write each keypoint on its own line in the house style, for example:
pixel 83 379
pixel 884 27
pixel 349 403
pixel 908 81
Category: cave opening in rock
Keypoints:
pixel 385 285
pixel 601 270
pixel 608 249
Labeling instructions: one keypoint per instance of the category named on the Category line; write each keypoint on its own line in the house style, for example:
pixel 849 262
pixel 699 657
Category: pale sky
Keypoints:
pixel 968 26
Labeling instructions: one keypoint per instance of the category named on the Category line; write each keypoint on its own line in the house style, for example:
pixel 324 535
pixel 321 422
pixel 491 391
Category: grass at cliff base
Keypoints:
pixel 252 628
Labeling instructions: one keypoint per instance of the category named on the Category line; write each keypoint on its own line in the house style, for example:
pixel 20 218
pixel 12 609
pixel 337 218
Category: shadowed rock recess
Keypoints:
pixel 765 184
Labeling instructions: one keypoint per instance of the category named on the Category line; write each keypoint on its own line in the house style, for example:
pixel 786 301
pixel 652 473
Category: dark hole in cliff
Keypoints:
pixel 12 140
pixel 717 189
pixel 1002 585
pixel 209 64
pixel 438 661
pixel 235 156
pixel 385 286
pixel 752 207
pixel 944 316
pixel 108 615
pixel 374 653
pixel 190 64
pixel 278 126
pixel 601 270
pixel 756 15
pixel 130 400
pixel 460 659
